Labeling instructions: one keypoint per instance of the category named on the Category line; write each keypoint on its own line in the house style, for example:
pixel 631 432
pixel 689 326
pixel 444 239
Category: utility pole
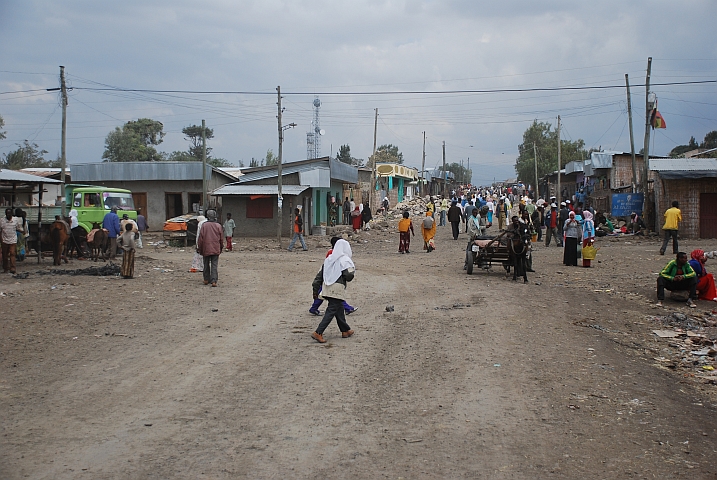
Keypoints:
pixel 423 167
pixel 632 138
pixel 558 196
pixel 535 155
pixel 278 178
pixel 646 151
pixel 470 179
pixel 205 201
pixel 63 161
pixel 444 169
pixel 373 162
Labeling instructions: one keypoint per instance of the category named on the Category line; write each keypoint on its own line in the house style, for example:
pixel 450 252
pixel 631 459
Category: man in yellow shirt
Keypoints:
pixel 673 217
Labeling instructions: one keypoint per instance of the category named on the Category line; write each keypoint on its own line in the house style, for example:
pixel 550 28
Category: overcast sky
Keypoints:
pixel 347 51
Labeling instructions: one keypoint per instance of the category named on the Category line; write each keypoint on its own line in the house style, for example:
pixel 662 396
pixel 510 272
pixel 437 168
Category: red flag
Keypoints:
pixel 657 120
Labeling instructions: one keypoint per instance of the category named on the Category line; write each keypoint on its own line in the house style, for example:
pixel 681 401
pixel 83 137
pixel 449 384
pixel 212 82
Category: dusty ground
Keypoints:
pixel 470 376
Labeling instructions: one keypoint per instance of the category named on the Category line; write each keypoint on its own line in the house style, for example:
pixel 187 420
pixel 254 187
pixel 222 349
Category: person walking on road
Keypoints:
pixel 444 210
pixel 316 288
pixel 111 223
pixel 298 231
pixel 405 229
pixel 346 208
pixel 142 226
pixel 229 226
pixel 673 217
pixel 551 226
pixel 428 229
pixel 337 272
pixel 210 246
pixel 454 217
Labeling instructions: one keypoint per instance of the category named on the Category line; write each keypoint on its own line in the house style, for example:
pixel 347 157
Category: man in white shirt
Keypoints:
pixel 9 227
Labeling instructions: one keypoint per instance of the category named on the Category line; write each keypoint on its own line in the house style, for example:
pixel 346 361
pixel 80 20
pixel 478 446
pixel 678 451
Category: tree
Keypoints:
pixel 461 173
pixel 388 154
pixel 546 142
pixel 344 155
pixel 270 158
pixel 28 155
pixel 2 124
pixel 134 142
pixel 710 140
pixel 253 163
pixel 194 135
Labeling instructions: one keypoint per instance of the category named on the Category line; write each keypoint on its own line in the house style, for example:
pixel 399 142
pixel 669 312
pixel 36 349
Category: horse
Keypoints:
pixel 98 245
pixel 59 237
pixel 518 250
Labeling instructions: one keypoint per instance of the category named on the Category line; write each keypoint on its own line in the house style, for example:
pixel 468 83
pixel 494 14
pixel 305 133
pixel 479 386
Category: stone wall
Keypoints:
pixel 687 192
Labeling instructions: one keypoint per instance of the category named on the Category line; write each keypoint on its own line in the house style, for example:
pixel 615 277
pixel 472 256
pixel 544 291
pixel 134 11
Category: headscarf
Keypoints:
pixel 73 218
pixel 572 215
pixel 587 215
pixel 337 262
pixel 200 220
pixel 698 255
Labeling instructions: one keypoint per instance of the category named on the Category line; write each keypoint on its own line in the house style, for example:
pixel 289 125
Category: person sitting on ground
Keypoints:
pixel 678 275
pixel 637 224
pixel 705 281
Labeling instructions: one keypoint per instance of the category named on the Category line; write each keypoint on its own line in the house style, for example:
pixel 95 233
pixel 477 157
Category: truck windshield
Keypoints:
pixel 123 201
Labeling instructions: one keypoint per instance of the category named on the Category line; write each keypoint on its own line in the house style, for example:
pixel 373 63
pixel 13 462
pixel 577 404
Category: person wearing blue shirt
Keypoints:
pixel 111 223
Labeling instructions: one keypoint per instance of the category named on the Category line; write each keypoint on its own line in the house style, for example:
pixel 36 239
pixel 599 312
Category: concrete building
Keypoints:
pixel 162 190
pixel 693 183
pixel 310 184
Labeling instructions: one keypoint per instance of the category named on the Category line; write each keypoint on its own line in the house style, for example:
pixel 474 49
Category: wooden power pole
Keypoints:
pixel 444 170
pixel 205 202
pixel 632 138
pixel 279 199
pixel 63 153
pixel 423 167
pixel 646 151
pixel 558 195
pixel 373 162
pixel 535 156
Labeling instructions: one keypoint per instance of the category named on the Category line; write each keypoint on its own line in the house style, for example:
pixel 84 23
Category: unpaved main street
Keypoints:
pixel 470 376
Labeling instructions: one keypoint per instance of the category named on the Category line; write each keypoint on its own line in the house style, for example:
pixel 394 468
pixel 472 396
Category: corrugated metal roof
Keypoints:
pixel 241 189
pixel 286 169
pixel 20 177
pixel 661 165
pixel 573 167
pixel 139 171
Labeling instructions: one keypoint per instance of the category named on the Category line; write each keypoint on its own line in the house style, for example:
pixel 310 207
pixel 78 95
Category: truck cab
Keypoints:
pixel 93 203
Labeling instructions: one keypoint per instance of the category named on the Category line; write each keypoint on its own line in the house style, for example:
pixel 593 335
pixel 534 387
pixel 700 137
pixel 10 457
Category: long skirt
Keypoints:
pixel 404 241
pixel 127 270
pixel 706 288
pixel 570 252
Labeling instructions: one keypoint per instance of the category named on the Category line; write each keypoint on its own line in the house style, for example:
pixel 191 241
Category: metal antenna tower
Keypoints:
pixel 313 138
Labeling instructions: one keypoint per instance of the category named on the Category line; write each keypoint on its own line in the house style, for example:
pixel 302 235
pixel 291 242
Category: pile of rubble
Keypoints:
pixel 690 343
pixel 416 206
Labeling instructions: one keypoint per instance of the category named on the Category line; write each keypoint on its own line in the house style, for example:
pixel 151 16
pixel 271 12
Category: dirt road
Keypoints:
pixel 469 376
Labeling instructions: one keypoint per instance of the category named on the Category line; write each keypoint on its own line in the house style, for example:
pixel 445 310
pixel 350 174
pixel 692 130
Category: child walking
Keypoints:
pixel 338 270
pixel 316 287
pixel 405 230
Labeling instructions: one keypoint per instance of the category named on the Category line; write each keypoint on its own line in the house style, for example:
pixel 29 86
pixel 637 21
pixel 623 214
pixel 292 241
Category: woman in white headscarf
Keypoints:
pixel 198 260
pixel 338 270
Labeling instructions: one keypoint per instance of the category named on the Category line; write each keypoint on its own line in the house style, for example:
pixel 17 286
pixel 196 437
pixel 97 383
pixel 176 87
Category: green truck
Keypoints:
pixel 92 203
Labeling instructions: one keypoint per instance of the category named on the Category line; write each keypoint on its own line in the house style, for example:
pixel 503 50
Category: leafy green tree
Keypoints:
pixel 219 162
pixel 388 154
pixel 461 173
pixel 2 124
pixel 546 142
pixel 270 158
pixel 194 135
pixel 253 162
pixel 710 140
pixel 135 142
pixel 28 155
pixel 344 155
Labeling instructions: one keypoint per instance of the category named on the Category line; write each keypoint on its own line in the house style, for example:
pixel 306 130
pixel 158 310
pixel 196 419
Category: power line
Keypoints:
pixel 397 92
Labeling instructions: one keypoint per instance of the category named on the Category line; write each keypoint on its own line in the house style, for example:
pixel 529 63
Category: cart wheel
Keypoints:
pixel 469 262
